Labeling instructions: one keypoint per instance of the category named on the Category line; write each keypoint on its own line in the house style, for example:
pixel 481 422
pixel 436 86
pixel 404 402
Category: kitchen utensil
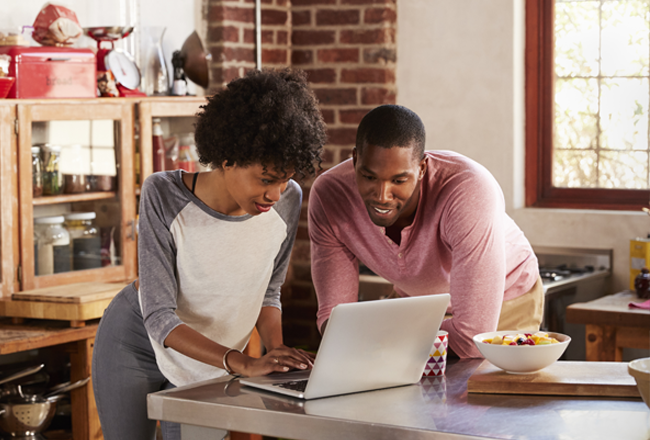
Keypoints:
pixel 25 415
pixel 196 60
pixel 22 373
pixel 521 359
pixel 108 33
pixel 640 370
pixel 57 391
pixel 563 378
pixel 124 68
pixel 113 64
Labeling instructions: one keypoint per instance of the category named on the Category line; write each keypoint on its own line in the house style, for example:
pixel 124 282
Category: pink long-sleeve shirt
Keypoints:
pixel 461 242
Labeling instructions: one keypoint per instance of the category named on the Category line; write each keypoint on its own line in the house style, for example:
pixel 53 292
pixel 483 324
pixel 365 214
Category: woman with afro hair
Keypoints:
pixel 213 251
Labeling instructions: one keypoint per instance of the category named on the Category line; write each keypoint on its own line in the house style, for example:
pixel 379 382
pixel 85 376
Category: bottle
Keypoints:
pixel 52 177
pixel 53 245
pixel 642 284
pixel 158 146
pixel 171 154
pixel 179 85
pixel 185 160
pixel 37 172
pixel 85 240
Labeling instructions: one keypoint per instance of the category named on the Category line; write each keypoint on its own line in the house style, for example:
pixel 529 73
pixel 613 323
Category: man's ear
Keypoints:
pixel 354 157
pixel 423 169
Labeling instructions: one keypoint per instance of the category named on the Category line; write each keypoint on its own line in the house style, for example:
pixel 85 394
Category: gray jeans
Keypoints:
pixel 124 371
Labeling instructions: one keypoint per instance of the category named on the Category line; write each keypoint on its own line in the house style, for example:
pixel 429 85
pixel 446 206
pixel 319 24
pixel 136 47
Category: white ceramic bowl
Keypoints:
pixel 640 370
pixel 521 359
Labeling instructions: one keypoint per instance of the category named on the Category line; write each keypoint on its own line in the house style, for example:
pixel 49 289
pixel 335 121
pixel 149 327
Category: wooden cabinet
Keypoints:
pixel 114 206
pixel 26 123
pixel 8 201
pixel 178 115
pixel 109 124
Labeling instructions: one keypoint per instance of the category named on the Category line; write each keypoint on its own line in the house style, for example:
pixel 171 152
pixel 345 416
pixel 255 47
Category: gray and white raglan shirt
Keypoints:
pixel 208 270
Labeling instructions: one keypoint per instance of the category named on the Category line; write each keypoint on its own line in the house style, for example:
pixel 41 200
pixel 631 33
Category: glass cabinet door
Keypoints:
pixel 166 134
pixel 77 192
pixel 8 200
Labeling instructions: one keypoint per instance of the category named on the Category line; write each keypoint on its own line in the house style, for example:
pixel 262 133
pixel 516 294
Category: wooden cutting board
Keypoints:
pixel 71 293
pixel 601 379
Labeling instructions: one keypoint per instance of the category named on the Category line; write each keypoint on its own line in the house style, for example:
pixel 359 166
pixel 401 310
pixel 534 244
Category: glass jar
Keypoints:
pixel 86 241
pixel 37 172
pixel 52 177
pixel 52 246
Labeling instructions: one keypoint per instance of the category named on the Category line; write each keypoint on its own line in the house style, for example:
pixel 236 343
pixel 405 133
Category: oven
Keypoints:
pixel 572 275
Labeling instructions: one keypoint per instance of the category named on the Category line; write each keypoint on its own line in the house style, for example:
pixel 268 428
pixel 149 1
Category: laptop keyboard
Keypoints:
pixel 296 385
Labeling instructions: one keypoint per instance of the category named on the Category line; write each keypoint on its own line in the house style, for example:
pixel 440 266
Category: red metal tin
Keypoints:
pixel 52 72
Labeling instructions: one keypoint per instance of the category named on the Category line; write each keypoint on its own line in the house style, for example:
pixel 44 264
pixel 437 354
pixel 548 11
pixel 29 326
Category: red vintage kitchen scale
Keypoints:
pixel 117 73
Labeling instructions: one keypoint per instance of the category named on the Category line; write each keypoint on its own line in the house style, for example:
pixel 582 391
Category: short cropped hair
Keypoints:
pixel 269 118
pixel 390 126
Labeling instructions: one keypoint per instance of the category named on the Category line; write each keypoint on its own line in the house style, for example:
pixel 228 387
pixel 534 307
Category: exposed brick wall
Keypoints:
pixel 348 49
pixel 231 37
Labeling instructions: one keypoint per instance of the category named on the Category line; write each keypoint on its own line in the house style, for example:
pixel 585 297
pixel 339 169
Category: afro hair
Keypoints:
pixel 268 117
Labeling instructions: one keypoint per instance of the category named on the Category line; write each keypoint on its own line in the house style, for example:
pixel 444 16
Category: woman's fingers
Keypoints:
pixel 291 357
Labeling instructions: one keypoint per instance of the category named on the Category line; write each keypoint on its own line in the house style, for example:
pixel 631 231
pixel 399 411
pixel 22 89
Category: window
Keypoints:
pixel 587 103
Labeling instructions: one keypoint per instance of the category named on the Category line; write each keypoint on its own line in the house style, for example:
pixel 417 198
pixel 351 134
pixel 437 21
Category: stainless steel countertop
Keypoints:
pixel 431 409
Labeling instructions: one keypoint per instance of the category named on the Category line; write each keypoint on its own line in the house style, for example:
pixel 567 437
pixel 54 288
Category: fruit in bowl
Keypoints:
pixel 640 370
pixel 529 353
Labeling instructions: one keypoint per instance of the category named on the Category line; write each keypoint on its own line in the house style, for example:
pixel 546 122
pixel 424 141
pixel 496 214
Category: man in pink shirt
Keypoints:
pixel 429 222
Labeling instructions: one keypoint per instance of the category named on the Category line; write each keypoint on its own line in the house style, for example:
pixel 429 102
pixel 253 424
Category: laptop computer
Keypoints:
pixel 366 346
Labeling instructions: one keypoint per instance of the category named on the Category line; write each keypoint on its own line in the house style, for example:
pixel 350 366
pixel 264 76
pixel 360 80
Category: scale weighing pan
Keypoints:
pixel 108 33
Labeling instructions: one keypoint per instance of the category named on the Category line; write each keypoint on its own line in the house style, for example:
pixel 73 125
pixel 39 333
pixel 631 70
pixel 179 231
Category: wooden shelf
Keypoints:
pixel 76 314
pixel 35 334
pixel 71 198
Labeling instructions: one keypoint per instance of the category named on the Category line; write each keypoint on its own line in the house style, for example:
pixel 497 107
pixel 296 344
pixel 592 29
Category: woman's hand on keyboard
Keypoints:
pixel 280 359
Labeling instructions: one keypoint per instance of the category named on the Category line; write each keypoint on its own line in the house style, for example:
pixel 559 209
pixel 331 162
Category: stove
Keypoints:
pixel 561 272
pixel 572 275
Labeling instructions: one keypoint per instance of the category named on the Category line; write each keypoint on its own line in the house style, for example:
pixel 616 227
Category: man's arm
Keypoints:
pixel 473 227
pixel 335 270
